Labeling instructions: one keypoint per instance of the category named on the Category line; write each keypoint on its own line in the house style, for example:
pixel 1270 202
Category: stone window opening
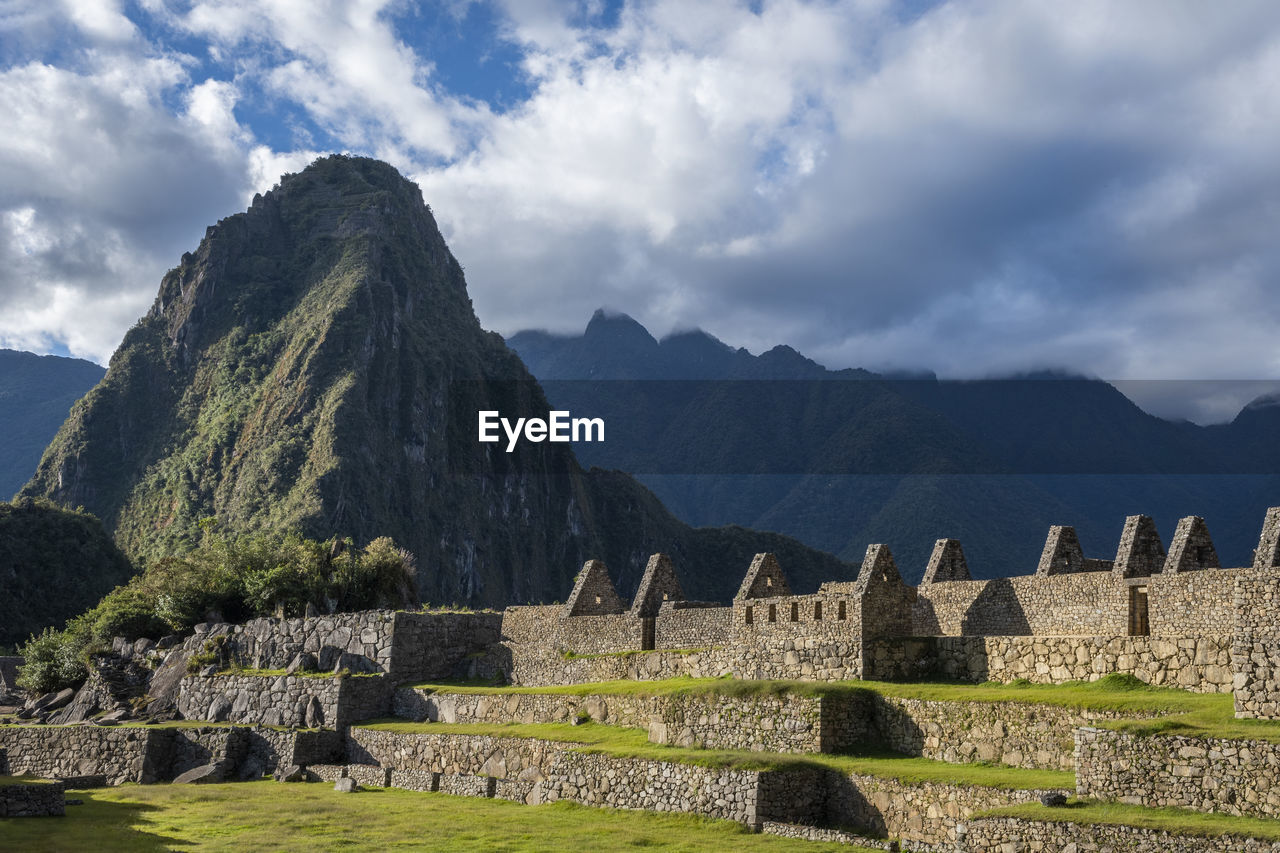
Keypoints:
pixel 768 583
pixel 664 596
pixel 597 599
pixel 795 611
pixel 840 610
pixel 773 613
pixel 749 613
pixel 817 611
pixel 1139 621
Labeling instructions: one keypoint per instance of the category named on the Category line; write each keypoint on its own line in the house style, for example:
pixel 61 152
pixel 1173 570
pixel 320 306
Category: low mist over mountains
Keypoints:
pixel 315 365
pixel 778 442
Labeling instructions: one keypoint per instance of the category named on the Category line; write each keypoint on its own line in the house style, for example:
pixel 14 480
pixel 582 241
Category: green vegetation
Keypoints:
pixel 55 563
pixel 1216 720
pixel 1111 693
pixel 236 578
pixel 270 816
pixel 634 743
pixel 1179 821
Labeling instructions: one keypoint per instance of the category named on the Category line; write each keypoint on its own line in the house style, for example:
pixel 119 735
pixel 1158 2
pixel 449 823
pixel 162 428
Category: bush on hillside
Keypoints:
pixel 227 578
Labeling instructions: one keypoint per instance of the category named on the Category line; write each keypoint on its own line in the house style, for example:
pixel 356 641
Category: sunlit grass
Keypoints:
pixel 1110 693
pixel 633 743
pixel 270 816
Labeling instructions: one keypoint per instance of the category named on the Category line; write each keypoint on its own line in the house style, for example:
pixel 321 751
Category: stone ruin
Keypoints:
pixel 289 694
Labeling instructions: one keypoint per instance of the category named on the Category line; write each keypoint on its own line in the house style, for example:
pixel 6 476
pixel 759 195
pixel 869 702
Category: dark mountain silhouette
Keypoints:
pixel 777 441
pixel 36 392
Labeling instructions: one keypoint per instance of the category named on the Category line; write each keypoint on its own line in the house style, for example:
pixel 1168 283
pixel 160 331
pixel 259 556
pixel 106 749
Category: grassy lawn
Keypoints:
pixel 1179 821
pixel 633 743
pixel 1212 722
pixel 25 780
pixel 1110 693
pixel 268 815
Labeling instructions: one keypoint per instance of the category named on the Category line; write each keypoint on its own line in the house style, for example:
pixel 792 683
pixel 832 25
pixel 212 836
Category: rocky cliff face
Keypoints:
pixel 316 365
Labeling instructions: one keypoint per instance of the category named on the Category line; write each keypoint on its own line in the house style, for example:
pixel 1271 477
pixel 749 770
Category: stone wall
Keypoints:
pixel 35 798
pixel 1002 835
pixel 1239 777
pixel 1255 646
pixel 1041 605
pixel 791 723
pixel 683 625
pixel 147 755
pixel 922 814
pixel 1200 664
pixel 408 646
pixel 808 658
pixel 1021 735
pixel 1194 603
pixel 536 771
pixel 284 700
pixel 432 646
pixel 124 754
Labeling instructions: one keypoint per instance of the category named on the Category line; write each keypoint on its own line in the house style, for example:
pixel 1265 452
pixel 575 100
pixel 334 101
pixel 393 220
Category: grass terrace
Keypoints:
pixel 1217 721
pixel 633 743
pixel 1113 692
pixel 267 816
pixel 1178 821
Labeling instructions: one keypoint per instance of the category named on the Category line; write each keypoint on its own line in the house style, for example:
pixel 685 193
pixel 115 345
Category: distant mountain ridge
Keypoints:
pixel 614 346
pixel 316 365
pixel 36 393
pixel 993 463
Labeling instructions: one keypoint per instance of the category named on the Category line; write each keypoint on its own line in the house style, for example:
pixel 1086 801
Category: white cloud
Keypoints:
pixel 976 187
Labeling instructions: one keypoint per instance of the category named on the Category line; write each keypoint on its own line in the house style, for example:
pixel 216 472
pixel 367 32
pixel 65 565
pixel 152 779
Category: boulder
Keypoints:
pixel 219 709
pixel 201 774
pixel 315 714
pixel 1053 799
pixel 292 773
pixel 302 662
pixel 346 785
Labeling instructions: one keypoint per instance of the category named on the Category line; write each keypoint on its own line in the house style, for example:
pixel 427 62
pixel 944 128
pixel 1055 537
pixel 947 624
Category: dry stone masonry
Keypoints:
pixel 289 695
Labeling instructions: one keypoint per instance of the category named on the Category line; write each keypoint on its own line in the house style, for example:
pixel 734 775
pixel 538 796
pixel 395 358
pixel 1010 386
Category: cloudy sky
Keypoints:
pixel 968 187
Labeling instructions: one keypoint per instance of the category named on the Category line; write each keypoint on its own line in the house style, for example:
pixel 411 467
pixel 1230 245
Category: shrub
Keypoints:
pixel 234 578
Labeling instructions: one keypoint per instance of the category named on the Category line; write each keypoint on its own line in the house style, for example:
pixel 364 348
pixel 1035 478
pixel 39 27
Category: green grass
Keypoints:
pixel 1110 693
pixel 1217 721
pixel 633 743
pixel 1178 821
pixel 270 816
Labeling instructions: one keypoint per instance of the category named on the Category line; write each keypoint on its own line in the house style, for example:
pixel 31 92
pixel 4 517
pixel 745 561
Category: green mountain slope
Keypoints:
pixel 315 365
pixel 53 563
